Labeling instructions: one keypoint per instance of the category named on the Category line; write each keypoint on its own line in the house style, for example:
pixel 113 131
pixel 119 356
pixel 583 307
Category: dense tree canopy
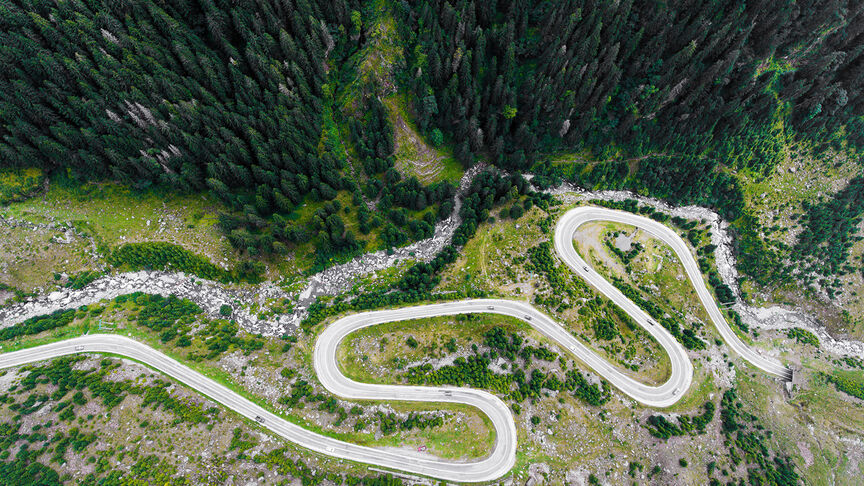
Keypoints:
pixel 195 94
pixel 516 77
pixel 246 99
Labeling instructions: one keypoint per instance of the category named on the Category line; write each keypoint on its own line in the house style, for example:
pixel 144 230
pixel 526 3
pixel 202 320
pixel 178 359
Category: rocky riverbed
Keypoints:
pixel 337 279
pixel 774 317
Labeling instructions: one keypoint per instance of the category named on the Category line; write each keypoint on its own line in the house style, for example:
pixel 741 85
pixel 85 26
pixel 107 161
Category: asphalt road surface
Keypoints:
pixel 503 455
pixel 574 218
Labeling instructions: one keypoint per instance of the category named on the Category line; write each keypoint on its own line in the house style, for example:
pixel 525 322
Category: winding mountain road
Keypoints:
pixel 503 455
pixel 575 218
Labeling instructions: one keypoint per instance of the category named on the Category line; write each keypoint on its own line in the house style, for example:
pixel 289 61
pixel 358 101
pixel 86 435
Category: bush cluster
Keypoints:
pixel 746 440
pixel 660 427
pixel 517 384
pixel 159 255
pixel 802 336
pixel 37 324
pixel 847 385
pixel 686 336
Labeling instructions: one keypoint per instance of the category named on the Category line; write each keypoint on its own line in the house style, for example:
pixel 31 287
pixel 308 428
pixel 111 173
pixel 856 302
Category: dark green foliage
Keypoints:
pixel 605 329
pixel 591 394
pixel 158 255
pixel 450 345
pixel 683 181
pixel 334 242
pixel 300 390
pixel 686 336
pixel 37 324
pixel 627 256
pixel 853 362
pixel 829 228
pixel 302 394
pixel 280 461
pixel 561 280
pixel 487 190
pixel 243 99
pixel 542 262
pixel 756 258
pixel 159 313
pixel 186 410
pixel 723 291
pixel 496 338
pixel 417 421
pixel 410 194
pixel 75 441
pixel 241 442
pixel 221 336
pixel 146 470
pixel 739 323
pixel 747 445
pixel 373 137
pixel 165 256
pixel 671 100
pixel 622 316
pixel 60 372
pixel 169 317
pixel 375 300
pixel 474 371
pixel 24 471
pixel 537 76
pixel 219 95
pixel 802 336
pixel 516 211
pixel 847 384
pixel 31 404
pixel 660 427
pixel 81 280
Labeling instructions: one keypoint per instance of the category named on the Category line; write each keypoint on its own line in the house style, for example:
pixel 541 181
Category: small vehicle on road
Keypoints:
pixel 259 419
pixel 330 449
pixel 422 448
pixel 491 307
pixel 527 317
pixel 675 392
pixel 79 348
pixel 448 393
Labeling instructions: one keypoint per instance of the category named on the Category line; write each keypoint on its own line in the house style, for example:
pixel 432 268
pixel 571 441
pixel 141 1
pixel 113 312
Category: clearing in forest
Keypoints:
pixel 415 157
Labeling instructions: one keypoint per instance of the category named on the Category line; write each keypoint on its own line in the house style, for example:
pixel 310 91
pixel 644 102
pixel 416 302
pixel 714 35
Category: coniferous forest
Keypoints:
pixel 237 98
pixel 227 152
